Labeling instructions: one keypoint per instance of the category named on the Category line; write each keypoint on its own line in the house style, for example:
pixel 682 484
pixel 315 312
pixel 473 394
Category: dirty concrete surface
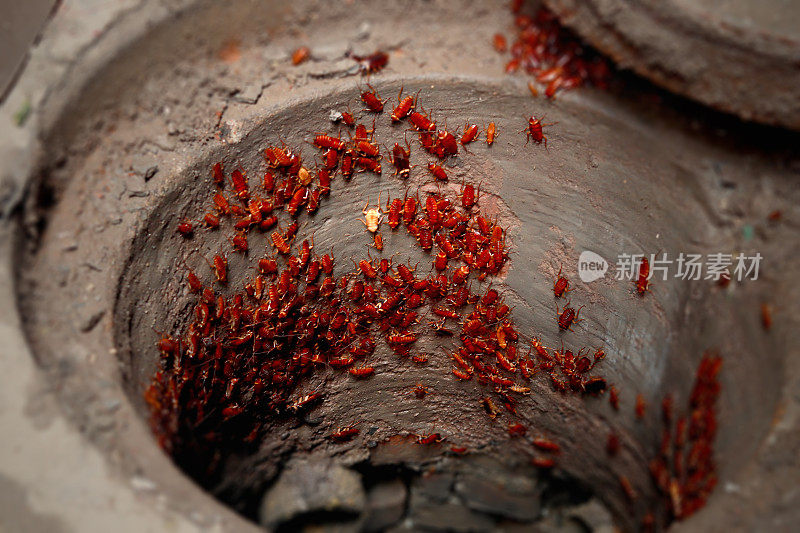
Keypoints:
pixel 111 158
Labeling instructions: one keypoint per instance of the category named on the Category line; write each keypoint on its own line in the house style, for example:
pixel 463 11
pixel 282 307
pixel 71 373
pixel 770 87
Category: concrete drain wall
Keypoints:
pixel 100 273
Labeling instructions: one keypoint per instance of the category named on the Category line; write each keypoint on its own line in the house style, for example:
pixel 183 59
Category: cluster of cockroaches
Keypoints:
pixel 545 49
pixel 685 471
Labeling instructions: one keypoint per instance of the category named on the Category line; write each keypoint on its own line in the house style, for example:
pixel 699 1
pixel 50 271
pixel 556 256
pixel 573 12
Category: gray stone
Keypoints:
pixel 594 515
pixel 514 497
pixel 386 503
pixel 312 487
pixel 427 514
pixel 432 485
pixel 249 94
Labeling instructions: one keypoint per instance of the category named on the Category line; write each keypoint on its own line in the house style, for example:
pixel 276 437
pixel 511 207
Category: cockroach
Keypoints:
pixel 465 376
pixel 458 450
pixel 347 165
pixel 612 445
pixel 404 107
pixel 394 211
pixel 437 171
pixel 401 339
pixel 268 183
pixel 561 285
pixel 211 220
pixel 220 265
pixel 313 201
pixel 329 142
pixel 440 262
pixel 300 55
pixel 468 198
pixel 470 134
pixel 348 118
pixel 613 397
pixel 640 406
pixel 344 434
pixel 425 239
pixel 372 217
pixel 766 316
pixel 400 161
pixel 421 122
pixel 420 359
pixel 409 210
pixel 546 445
pixel 517 430
pixel 186 228
pixel 448 143
pixel 268 223
pixel 362 371
pixel 279 242
pixel 534 131
pixel 491 131
pixel 327 264
pixel 568 316
pixel 627 489
pixel 368 149
pixel 460 274
pixel 370 165
pixel 239 241
pixel 420 391
pixel 440 330
pixel 377 240
pixel 642 280
pixel 372 100
pixel 195 285
pixel 543 462
pixel 221 203
pixel 594 385
pixel 305 402
pixel 372 62
pixel 299 198
pixel 499 42
pixel 367 269
pixel 217 174
pixel 239 182
pixel 433 438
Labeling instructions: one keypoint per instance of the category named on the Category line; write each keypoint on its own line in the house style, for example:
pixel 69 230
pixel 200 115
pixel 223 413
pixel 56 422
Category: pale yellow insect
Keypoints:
pixel 372 216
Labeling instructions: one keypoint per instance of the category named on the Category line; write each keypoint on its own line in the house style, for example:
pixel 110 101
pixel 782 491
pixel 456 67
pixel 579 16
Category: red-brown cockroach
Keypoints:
pixel 568 316
pixel 329 142
pixel 347 165
pixel 239 241
pixel 499 42
pixel 468 198
pixel 458 450
pixel 239 182
pixel 221 269
pixel 460 274
pixel 533 132
pixel 268 183
pixel 372 100
pixel 267 267
pixel 370 165
pixel 404 107
pixel 313 201
pixel 447 142
pixel 362 371
pixel 612 445
pixel 186 228
pixel 401 339
pixel 613 397
pixel 433 438
pixel 425 239
pixel 211 220
pixel 372 62
pixel 221 203
pixel 195 285
pixel 394 211
pixel 420 359
pixel 627 489
pixel 299 198
pixel 642 280
pixel 348 118
pixel 279 242
pixel 327 264
pixel 419 391
pixel 766 316
pixel 543 462
pixel 491 131
pixel 304 402
pixel 330 159
pixel 421 122
pixel 470 134
pixel 465 376
pixel 217 174
pixel 344 434
pixel 517 430
pixel 368 149
pixel 440 262
pixel 409 210
pixel 300 55
pixel 377 240
pixel 437 171
pixel 561 285
pixel 640 406
pixel 367 269
pixel 400 161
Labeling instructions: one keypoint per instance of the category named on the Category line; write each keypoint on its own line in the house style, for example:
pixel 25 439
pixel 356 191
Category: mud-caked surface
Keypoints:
pixel 102 269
